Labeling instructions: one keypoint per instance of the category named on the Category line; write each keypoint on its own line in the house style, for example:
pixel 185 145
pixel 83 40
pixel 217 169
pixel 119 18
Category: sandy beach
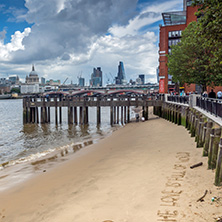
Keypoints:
pixel 141 173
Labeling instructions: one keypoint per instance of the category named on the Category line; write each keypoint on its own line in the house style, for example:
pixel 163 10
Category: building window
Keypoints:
pixel 175 34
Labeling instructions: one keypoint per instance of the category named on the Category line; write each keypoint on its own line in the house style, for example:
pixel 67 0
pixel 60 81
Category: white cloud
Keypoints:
pixel 14 45
pixel 70 36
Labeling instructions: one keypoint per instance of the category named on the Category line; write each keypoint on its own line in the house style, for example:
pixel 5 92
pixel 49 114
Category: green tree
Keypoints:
pixel 189 61
pixel 198 57
pixel 210 28
pixel 15 90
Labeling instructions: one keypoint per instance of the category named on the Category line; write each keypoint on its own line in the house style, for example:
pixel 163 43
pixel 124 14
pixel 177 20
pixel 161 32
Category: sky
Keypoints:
pixel 68 38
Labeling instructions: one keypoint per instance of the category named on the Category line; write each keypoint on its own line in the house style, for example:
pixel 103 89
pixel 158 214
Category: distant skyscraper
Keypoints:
pixel 121 76
pixel 81 82
pixel 96 77
pixel 142 77
pixel 138 81
pixel 42 80
pixel 14 79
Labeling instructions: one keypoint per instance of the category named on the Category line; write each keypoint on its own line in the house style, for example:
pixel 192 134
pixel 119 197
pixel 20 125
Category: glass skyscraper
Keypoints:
pixel 121 76
pixel 96 77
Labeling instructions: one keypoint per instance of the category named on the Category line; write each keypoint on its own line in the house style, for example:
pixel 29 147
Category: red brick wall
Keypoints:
pixel 191 14
pixel 163 50
pixel 163 46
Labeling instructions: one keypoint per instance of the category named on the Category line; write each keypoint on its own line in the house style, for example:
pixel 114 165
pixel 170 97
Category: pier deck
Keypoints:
pixel 119 107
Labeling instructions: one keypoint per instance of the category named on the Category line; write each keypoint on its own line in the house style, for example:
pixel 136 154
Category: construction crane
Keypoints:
pixel 65 81
pixel 108 80
pixel 62 84
pixel 113 79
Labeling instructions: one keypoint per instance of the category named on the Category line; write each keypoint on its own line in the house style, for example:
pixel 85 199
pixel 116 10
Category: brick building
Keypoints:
pixel 170 34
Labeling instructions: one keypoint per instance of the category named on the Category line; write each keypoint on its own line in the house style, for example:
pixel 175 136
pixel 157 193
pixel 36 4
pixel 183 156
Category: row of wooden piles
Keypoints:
pixel 207 133
pixel 39 111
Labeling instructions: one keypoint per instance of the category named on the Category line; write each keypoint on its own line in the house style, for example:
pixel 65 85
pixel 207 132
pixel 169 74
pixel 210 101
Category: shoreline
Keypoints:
pixel 27 167
pixel 139 173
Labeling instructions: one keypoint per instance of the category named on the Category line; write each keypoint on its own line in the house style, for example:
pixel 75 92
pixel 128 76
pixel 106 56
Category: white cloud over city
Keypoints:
pixel 69 37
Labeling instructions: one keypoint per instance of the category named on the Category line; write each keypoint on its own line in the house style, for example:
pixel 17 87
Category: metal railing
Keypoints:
pixel 213 106
pixel 178 99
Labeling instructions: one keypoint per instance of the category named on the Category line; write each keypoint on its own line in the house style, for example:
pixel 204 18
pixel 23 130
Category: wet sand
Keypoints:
pixel 141 173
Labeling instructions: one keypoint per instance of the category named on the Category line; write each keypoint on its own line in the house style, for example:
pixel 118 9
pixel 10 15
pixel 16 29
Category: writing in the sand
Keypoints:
pixel 171 195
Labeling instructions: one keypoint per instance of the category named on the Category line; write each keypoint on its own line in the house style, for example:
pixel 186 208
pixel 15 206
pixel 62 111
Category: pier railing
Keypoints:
pixel 38 108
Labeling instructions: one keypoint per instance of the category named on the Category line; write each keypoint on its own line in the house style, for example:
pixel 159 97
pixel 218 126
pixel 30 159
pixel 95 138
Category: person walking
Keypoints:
pixel 219 94
pixel 205 94
pixel 212 94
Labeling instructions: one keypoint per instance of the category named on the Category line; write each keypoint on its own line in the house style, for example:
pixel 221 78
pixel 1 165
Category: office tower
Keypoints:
pixel 81 82
pixel 121 76
pixel 142 77
pixel 96 77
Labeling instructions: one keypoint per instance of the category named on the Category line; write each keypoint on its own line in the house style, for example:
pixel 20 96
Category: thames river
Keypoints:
pixel 21 143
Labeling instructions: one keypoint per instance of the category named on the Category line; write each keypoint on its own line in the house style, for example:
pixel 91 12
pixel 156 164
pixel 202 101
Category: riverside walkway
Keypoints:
pixel 203 119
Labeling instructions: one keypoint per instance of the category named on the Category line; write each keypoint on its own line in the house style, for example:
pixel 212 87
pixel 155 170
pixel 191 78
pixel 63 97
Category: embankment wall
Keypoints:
pixel 207 133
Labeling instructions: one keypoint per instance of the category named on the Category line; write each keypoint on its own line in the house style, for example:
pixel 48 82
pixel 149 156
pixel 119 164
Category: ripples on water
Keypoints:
pixel 18 141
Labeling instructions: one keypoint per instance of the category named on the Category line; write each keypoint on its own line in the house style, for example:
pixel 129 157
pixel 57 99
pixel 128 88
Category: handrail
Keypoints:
pixel 178 99
pixel 213 106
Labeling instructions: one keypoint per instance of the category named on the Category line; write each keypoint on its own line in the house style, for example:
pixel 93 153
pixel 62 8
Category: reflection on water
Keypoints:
pixel 21 142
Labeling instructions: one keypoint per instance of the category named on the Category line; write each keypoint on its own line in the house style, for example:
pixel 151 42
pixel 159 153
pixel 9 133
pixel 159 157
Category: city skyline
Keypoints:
pixel 30 35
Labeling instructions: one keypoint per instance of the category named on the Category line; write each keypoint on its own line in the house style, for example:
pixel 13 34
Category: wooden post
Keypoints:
pixel 175 114
pixel 84 112
pixel 209 126
pixel 136 100
pixel 24 110
pixel 71 114
pixel 87 114
pixel 98 111
pixel 217 135
pixel 128 110
pixel 68 109
pixel 199 132
pixel 143 112
pixel 75 115
pixel 42 111
pixel 36 110
pixel 111 111
pixel 192 129
pixel 49 113
pixel 33 111
pixel 147 113
pixel 60 109
pixel 45 111
pixel 56 110
pixel 37 114
pixel 74 110
pixel 218 174
pixel 210 151
pixel 28 111
pixel 114 115
pixel 80 115
pixel 47 117
pixel 117 118
pixel 122 114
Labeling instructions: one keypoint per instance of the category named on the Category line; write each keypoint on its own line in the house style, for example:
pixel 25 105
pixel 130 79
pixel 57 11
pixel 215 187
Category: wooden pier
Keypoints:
pixel 37 109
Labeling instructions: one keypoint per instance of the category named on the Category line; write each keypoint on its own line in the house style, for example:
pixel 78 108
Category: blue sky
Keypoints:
pixel 68 38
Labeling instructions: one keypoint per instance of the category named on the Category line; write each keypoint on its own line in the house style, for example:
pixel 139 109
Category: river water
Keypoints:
pixel 21 143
